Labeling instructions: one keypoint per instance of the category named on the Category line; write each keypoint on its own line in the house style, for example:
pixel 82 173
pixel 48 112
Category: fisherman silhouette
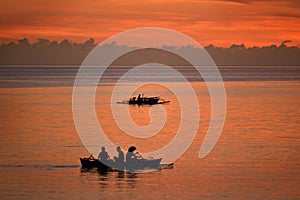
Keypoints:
pixel 119 160
pixel 103 156
pixel 131 158
pixel 139 100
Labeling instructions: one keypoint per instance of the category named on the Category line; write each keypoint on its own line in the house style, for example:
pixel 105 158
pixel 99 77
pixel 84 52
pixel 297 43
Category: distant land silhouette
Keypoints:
pixel 46 52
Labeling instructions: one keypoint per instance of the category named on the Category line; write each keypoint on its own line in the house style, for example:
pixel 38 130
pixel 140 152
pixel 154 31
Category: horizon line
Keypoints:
pixel 91 40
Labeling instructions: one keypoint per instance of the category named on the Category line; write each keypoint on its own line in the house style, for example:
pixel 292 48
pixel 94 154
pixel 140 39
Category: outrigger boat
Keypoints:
pixel 142 164
pixel 141 100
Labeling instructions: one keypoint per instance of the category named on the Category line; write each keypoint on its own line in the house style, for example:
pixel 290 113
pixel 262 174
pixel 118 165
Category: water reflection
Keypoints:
pixel 121 174
pixel 131 179
pixel 121 180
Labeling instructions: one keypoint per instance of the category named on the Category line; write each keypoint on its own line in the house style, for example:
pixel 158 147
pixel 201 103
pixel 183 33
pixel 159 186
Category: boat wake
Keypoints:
pixel 38 166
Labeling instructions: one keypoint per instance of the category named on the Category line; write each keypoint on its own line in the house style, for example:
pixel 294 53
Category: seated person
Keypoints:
pixel 103 156
pixel 119 160
pixel 132 159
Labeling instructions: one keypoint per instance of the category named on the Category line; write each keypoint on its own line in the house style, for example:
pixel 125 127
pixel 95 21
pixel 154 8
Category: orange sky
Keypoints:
pixel 218 22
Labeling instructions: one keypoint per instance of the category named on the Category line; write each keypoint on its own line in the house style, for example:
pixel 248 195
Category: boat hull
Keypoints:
pixel 144 101
pixel 142 164
pixel 87 163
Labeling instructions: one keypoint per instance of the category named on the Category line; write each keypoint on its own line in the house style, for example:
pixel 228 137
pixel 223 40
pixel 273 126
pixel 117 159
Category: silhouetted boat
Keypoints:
pixel 91 163
pixel 141 100
pixel 142 164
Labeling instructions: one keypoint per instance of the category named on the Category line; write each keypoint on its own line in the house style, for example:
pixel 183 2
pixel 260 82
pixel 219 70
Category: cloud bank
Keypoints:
pixel 65 52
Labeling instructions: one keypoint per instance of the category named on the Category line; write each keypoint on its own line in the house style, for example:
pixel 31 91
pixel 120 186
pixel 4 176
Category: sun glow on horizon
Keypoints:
pixel 219 22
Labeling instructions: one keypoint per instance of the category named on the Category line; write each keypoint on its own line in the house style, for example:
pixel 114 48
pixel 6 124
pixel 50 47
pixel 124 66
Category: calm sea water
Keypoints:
pixel 256 157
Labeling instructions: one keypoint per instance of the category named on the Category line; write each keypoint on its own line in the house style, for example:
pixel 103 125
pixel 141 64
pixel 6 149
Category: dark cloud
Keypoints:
pixel 286 15
pixel 236 1
pixel 270 2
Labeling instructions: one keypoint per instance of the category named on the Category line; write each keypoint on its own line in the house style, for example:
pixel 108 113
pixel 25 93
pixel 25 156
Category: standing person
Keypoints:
pixel 139 99
pixel 119 160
